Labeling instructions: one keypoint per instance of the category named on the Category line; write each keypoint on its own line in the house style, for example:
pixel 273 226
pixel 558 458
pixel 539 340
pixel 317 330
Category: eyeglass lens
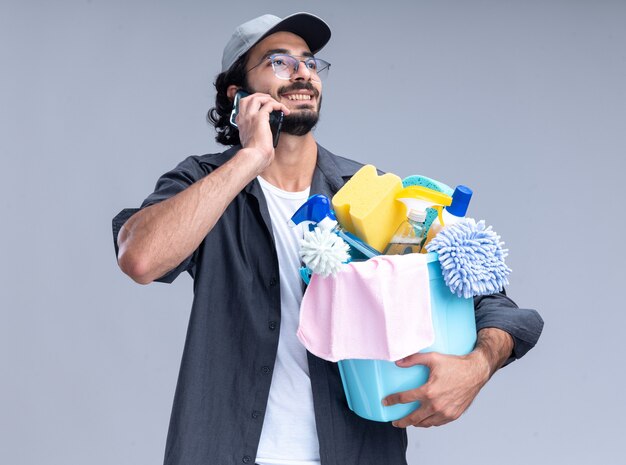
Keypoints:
pixel 285 65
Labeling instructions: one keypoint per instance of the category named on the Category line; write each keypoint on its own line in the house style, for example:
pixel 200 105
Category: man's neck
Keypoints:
pixel 293 164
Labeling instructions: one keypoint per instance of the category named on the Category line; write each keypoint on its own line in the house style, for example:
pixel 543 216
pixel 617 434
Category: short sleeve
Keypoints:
pixel 171 183
pixel 499 311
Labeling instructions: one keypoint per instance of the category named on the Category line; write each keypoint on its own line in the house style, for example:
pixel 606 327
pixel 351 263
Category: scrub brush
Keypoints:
pixel 471 258
pixel 323 251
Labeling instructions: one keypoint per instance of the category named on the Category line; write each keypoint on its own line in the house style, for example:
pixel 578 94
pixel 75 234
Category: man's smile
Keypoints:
pixel 298 96
pixel 299 92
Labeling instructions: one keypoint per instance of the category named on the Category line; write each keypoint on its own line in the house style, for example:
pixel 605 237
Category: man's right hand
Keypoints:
pixel 158 238
pixel 253 121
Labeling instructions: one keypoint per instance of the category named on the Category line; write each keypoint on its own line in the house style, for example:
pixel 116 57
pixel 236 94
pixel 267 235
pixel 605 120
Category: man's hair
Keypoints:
pixel 219 115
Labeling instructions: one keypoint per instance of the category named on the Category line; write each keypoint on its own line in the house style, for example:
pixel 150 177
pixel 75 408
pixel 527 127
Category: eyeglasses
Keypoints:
pixel 285 66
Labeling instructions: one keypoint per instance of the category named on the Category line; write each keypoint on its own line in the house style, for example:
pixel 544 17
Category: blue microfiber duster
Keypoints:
pixel 471 258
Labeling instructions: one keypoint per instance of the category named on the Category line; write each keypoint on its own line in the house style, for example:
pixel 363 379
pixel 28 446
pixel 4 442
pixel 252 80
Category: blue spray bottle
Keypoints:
pixel 317 210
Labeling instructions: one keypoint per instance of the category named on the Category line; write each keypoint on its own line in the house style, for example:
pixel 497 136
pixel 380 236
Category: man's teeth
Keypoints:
pixel 299 97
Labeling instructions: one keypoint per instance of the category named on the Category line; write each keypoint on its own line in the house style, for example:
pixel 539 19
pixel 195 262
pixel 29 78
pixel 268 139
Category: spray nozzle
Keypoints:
pixel 430 196
pixel 315 210
pixel 421 198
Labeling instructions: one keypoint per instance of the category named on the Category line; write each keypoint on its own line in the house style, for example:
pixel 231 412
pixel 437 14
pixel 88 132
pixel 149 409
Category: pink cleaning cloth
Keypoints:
pixel 376 309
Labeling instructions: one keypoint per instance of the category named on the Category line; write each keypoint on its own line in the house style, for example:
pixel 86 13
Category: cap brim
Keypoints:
pixel 312 29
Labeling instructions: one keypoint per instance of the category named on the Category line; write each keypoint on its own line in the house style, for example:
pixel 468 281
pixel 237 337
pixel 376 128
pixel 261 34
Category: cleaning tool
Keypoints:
pixel 367 381
pixel 471 257
pixel 419 180
pixel 366 206
pixel 410 235
pixel 325 245
pixel 460 202
pixel 420 198
pixel 323 251
pixel 453 213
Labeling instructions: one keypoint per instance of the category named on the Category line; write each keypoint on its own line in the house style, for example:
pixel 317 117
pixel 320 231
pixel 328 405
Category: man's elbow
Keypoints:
pixel 134 266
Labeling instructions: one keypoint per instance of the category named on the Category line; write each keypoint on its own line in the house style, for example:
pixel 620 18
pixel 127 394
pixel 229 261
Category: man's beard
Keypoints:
pixel 301 121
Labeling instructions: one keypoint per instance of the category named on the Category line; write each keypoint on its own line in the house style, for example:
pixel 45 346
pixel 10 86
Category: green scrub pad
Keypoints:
pixel 418 180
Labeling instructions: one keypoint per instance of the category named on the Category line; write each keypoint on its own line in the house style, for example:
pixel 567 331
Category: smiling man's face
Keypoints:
pixel 301 93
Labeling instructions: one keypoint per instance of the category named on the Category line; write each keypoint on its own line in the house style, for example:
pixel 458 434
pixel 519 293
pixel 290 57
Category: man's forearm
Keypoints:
pixel 158 238
pixel 493 346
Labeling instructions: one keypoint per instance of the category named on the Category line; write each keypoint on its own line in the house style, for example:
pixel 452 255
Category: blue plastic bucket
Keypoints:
pixel 367 382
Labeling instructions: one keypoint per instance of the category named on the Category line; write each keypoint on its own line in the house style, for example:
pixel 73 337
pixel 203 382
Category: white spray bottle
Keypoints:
pixel 410 236
pixel 453 213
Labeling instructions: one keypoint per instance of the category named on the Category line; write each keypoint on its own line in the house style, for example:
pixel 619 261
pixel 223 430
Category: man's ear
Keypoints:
pixel 231 91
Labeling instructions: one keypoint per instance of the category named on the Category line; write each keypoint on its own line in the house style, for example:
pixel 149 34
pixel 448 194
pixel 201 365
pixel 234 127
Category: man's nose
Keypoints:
pixel 302 73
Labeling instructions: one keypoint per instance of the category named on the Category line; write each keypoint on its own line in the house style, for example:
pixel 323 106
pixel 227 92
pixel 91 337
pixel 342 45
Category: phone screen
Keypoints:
pixel 276 117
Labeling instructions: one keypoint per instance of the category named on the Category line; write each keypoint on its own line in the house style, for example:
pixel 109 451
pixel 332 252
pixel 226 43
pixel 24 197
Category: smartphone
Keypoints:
pixel 276 117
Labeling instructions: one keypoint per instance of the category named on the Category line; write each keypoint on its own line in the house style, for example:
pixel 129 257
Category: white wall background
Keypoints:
pixel 523 101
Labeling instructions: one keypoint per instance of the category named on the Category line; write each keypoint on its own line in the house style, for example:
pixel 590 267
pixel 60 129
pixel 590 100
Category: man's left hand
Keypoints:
pixel 454 381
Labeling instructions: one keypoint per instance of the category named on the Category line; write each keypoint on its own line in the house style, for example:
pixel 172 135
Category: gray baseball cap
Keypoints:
pixel 312 29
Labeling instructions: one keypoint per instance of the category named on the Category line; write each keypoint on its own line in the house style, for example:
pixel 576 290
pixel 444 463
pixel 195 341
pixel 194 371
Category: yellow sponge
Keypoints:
pixel 366 206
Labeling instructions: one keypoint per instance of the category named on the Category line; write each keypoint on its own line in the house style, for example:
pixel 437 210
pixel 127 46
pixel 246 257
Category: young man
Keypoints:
pixel 248 390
